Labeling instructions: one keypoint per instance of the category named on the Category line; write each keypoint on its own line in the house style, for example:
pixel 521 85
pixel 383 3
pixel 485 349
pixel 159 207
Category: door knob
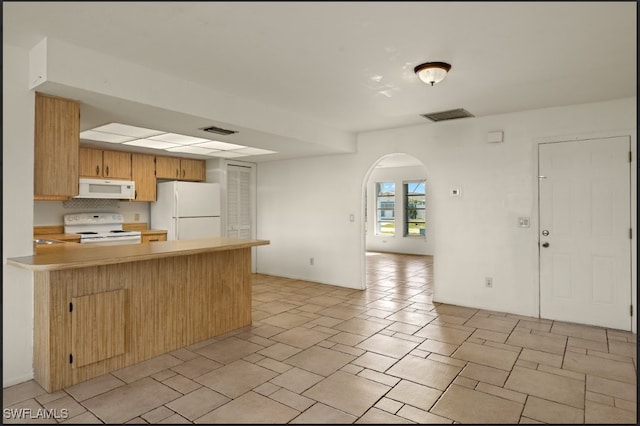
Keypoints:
pixel 545 245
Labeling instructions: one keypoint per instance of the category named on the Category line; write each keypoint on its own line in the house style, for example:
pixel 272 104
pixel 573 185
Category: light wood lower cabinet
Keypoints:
pixel 125 313
pixel 97 327
pixel 149 237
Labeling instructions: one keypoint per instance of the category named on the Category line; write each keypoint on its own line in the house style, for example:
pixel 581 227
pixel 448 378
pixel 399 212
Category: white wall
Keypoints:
pixel 17 217
pixel 398 243
pixel 304 209
pixel 477 234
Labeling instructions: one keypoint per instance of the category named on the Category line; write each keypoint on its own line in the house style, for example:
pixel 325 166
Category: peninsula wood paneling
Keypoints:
pixel 168 303
pixel 42 306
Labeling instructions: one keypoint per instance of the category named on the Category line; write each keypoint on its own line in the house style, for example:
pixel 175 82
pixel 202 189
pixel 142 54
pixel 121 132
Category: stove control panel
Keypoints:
pixel 93 218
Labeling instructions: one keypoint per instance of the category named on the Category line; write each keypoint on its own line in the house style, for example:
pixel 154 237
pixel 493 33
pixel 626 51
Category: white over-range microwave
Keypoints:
pixel 102 188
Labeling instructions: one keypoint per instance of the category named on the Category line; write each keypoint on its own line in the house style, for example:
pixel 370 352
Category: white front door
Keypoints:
pixel 585 224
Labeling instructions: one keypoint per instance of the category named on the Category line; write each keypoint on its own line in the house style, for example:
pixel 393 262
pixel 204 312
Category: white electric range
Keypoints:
pixel 100 228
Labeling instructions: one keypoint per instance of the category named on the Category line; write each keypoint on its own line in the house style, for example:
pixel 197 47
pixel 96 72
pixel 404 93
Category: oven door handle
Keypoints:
pixel 111 240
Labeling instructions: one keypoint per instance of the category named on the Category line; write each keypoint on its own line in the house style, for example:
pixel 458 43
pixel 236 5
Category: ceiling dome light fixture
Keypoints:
pixel 432 72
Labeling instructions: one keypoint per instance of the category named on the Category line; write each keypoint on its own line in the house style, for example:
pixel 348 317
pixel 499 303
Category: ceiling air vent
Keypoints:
pixel 218 130
pixel 448 115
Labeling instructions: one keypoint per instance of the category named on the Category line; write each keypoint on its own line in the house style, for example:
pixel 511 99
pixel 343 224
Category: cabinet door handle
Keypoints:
pixel 177 173
pixel 183 172
pixel 107 170
pixel 97 170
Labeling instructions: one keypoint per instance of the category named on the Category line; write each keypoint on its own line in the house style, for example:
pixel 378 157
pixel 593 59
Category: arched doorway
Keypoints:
pixel 397 219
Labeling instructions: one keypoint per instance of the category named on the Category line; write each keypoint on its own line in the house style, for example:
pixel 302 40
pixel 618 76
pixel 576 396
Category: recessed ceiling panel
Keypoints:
pixel 93 135
pixel 127 130
pixel 149 143
pixel 223 146
pixel 179 139
pixel 254 151
pixel 226 154
pixel 190 149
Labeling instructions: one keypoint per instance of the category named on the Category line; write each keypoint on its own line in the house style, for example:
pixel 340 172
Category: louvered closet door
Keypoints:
pixel 239 202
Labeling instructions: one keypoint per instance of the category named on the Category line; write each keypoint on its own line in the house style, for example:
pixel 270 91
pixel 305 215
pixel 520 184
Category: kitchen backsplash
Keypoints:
pixel 52 212
pixel 90 203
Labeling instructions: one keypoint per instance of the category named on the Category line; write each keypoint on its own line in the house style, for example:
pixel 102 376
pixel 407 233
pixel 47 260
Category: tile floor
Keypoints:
pixel 324 354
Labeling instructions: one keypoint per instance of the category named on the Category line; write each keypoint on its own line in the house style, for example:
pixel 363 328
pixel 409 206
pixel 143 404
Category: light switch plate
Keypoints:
pixel 523 222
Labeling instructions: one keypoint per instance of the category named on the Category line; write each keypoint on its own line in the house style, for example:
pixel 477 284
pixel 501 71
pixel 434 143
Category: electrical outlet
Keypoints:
pixel 311 261
pixel 488 282
pixel 136 217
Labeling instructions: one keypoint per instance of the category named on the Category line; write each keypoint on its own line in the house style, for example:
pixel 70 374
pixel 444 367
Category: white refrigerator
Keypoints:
pixel 187 210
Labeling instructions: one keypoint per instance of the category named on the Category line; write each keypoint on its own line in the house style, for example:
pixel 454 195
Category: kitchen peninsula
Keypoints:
pixel 99 309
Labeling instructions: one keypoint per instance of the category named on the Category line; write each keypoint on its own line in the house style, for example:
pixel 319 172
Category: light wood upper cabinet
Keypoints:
pixel 167 167
pixel 116 164
pixel 143 169
pixel 56 143
pixel 98 163
pixel 180 168
pixel 90 162
pixel 194 170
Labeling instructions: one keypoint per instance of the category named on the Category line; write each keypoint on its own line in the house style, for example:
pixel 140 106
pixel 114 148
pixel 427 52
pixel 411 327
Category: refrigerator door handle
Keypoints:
pixel 177 212
pixel 177 204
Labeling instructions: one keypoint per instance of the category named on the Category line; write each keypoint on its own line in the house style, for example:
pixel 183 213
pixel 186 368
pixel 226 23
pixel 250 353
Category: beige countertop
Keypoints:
pixel 71 256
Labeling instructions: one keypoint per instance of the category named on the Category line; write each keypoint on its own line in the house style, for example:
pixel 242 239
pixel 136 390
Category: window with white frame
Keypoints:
pixel 385 208
pixel 415 208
